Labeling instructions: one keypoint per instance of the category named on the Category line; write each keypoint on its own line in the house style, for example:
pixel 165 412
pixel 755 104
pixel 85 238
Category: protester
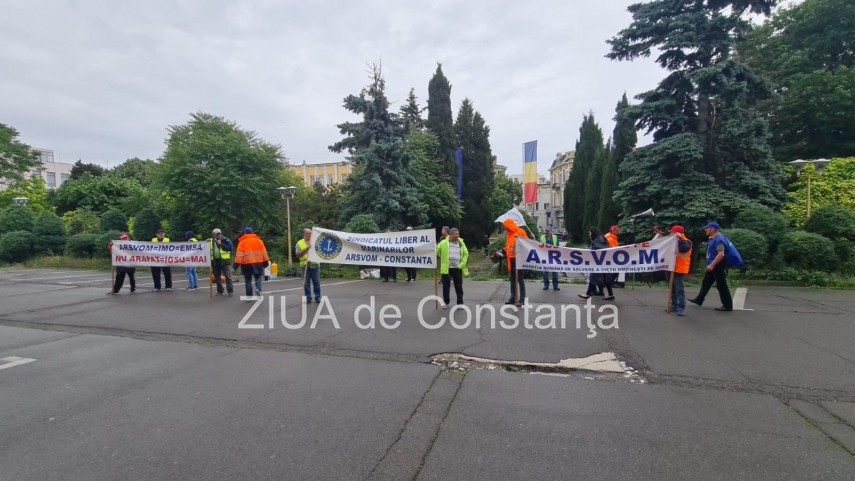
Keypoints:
pixel 160 236
pixel 715 269
pixel 411 271
pixel 596 282
pixel 681 268
pixel 192 278
pixel 311 271
pixel 612 236
pixel 122 271
pixel 387 272
pixel 445 230
pixel 453 256
pixel 252 258
pixel 509 252
pixel 549 239
pixel 221 264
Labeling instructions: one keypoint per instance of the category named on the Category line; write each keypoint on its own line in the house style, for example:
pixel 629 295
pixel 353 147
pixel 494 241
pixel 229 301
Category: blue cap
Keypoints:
pixel 713 225
pixel 248 230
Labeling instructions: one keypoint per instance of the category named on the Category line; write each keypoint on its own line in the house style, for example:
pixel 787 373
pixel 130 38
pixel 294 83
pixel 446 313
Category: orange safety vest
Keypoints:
pixel 611 239
pixel 511 242
pixel 684 259
pixel 250 250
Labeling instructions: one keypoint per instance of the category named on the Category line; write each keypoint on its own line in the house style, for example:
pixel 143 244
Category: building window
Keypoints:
pixel 51 180
pixel 343 178
pixel 46 156
pixel 63 178
pixel 546 207
pixel 312 181
pixel 329 180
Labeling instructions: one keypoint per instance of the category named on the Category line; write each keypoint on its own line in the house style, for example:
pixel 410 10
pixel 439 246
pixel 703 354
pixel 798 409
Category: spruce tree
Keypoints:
pixel 710 155
pixel 411 114
pixel 588 148
pixel 622 143
pixel 381 183
pixel 474 137
pixel 440 121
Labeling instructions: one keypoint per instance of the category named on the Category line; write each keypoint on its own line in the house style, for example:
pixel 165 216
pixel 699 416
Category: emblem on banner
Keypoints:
pixel 328 246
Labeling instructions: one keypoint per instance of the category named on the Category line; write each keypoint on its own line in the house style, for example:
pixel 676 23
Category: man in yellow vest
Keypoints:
pixel 313 275
pixel 552 240
pixel 221 261
pixel 453 256
pixel 192 276
pixel 156 270
pixel 681 268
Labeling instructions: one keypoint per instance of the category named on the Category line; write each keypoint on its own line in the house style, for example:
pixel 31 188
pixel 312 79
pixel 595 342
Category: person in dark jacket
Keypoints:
pixel 596 282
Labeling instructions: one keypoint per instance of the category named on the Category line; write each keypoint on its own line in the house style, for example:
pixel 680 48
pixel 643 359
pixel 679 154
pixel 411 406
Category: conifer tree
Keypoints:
pixel 440 120
pixel 411 114
pixel 622 143
pixel 474 137
pixel 588 148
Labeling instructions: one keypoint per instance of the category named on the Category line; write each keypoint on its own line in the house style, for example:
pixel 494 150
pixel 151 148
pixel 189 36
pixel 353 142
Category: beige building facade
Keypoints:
pixel 559 172
pixel 326 174
pixel 54 173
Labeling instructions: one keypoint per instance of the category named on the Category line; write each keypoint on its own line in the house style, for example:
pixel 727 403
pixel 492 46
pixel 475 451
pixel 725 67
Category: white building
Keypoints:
pixel 54 173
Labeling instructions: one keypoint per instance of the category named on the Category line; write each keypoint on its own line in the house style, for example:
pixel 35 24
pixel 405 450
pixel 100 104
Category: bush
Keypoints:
pixel 146 224
pixel 83 245
pixel 105 239
pixel 50 234
pixel 114 220
pixel 805 250
pixel 832 221
pixel 16 218
pixel 17 246
pixel 770 224
pixel 751 245
pixel 81 221
pixel 362 224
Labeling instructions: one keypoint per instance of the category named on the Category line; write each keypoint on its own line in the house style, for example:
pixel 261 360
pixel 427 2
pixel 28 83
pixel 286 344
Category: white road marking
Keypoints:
pixel 61 277
pixel 322 285
pixel 739 299
pixel 14 361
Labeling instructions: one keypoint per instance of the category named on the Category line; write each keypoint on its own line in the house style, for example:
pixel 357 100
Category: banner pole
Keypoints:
pixel 671 285
pixel 211 284
pixel 112 280
pixel 435 290
pixel 516 285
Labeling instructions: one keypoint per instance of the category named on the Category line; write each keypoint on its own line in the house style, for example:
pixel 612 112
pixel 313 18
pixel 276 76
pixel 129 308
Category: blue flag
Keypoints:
pixel 459 155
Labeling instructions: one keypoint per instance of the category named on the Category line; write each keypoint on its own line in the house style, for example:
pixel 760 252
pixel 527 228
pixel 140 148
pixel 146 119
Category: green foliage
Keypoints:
pixel 16 218
pixel 83 245
pixel 772 225
pixel 81 221
pixel 624 139
pixel 50 234
pixel 440 122
pixel 16 158
pixel 506 194
pixel 832 221
pixel 473 136
pixel 317 202
pixel 114 219
pixel 381 183
pixel 219 174
pixel 362 224
pixel 835 186
pixel 146 224
pixel 531 225
pixel 17 246
pixel 104 240
pixel 81 169
pixel 588 148
pixel 752 246
pixel 428 174
pixel 139 170
pixel 97 194
pixel 411 114
pixel 804 250
pixel 805 51
pixel 33 189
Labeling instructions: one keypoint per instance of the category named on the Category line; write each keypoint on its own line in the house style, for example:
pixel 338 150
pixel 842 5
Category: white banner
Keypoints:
pixel 655 255
pixel 128 253
pixel 512 214
pixel 412 248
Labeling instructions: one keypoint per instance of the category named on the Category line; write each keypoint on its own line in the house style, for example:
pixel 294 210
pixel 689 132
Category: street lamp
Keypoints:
pixel 287 194
pixel 799 166
pixel 22 201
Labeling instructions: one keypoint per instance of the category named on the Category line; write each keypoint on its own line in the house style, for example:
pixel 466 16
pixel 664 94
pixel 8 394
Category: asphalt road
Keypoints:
pixel 169 386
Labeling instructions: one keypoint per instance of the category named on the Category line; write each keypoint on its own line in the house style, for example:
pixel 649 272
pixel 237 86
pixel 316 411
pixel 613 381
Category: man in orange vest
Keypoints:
pixel 611 236
pixel 513 231
pixel 252 258
pixel 681 268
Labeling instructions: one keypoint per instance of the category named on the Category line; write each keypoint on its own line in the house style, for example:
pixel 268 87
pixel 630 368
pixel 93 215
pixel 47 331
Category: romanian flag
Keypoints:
pixel 530 172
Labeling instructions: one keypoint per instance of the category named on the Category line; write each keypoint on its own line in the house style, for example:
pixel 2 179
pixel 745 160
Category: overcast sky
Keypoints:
pixel 102 80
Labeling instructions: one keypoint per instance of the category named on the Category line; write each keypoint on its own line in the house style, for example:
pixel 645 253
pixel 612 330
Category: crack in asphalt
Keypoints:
pixel 816 425
pixel 777 390
pixel 439 428
pixel 825 350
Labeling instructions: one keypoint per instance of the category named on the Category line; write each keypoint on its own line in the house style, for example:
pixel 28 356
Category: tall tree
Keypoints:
pixel 588 148
pixel 807 52
pixel 710 155
pixel 506 194
pixel 411 114
pixel 438 195
pixel 381 183
pixel 220 175
pixel 473 134
pixel 136 169
pixel 440 121
pixel 622 143
pixel 80 168
pixel 16 158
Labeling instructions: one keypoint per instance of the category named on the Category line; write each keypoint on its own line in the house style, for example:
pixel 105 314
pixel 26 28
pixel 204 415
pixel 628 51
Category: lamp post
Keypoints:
pixel 22 201
pixel 287 194
pixel 799 166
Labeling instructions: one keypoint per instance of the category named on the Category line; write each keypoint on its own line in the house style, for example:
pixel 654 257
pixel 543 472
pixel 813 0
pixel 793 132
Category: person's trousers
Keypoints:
pixel 121 272
pixel 512 274
pixel 454 275
pixel 678 297
pixel 718 276
pixel 223 269
pixel 192 278
pixel 247 278
pixel 554 279
pixel 411 273
pixel 313 276
pixel 167 276
pixel 387 272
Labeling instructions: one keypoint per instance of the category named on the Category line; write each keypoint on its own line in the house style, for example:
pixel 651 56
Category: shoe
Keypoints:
pixel 133 291
pixel 111 293
pixel 609 298
pixel 385 280
pixel 407 281
pixel 156 289
pixel 258 292
pixel 510 302
pixel 168 289
pixel 318 300
pixel 681 313
pixel 230 294
pixel 219 294
pixel 546 288
pixel 584 296
pixel 394 280
pixel 724 309
pixel 556 289
pixel 695 301
pixel 188 288
pixel 445 306
pixel 309 300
